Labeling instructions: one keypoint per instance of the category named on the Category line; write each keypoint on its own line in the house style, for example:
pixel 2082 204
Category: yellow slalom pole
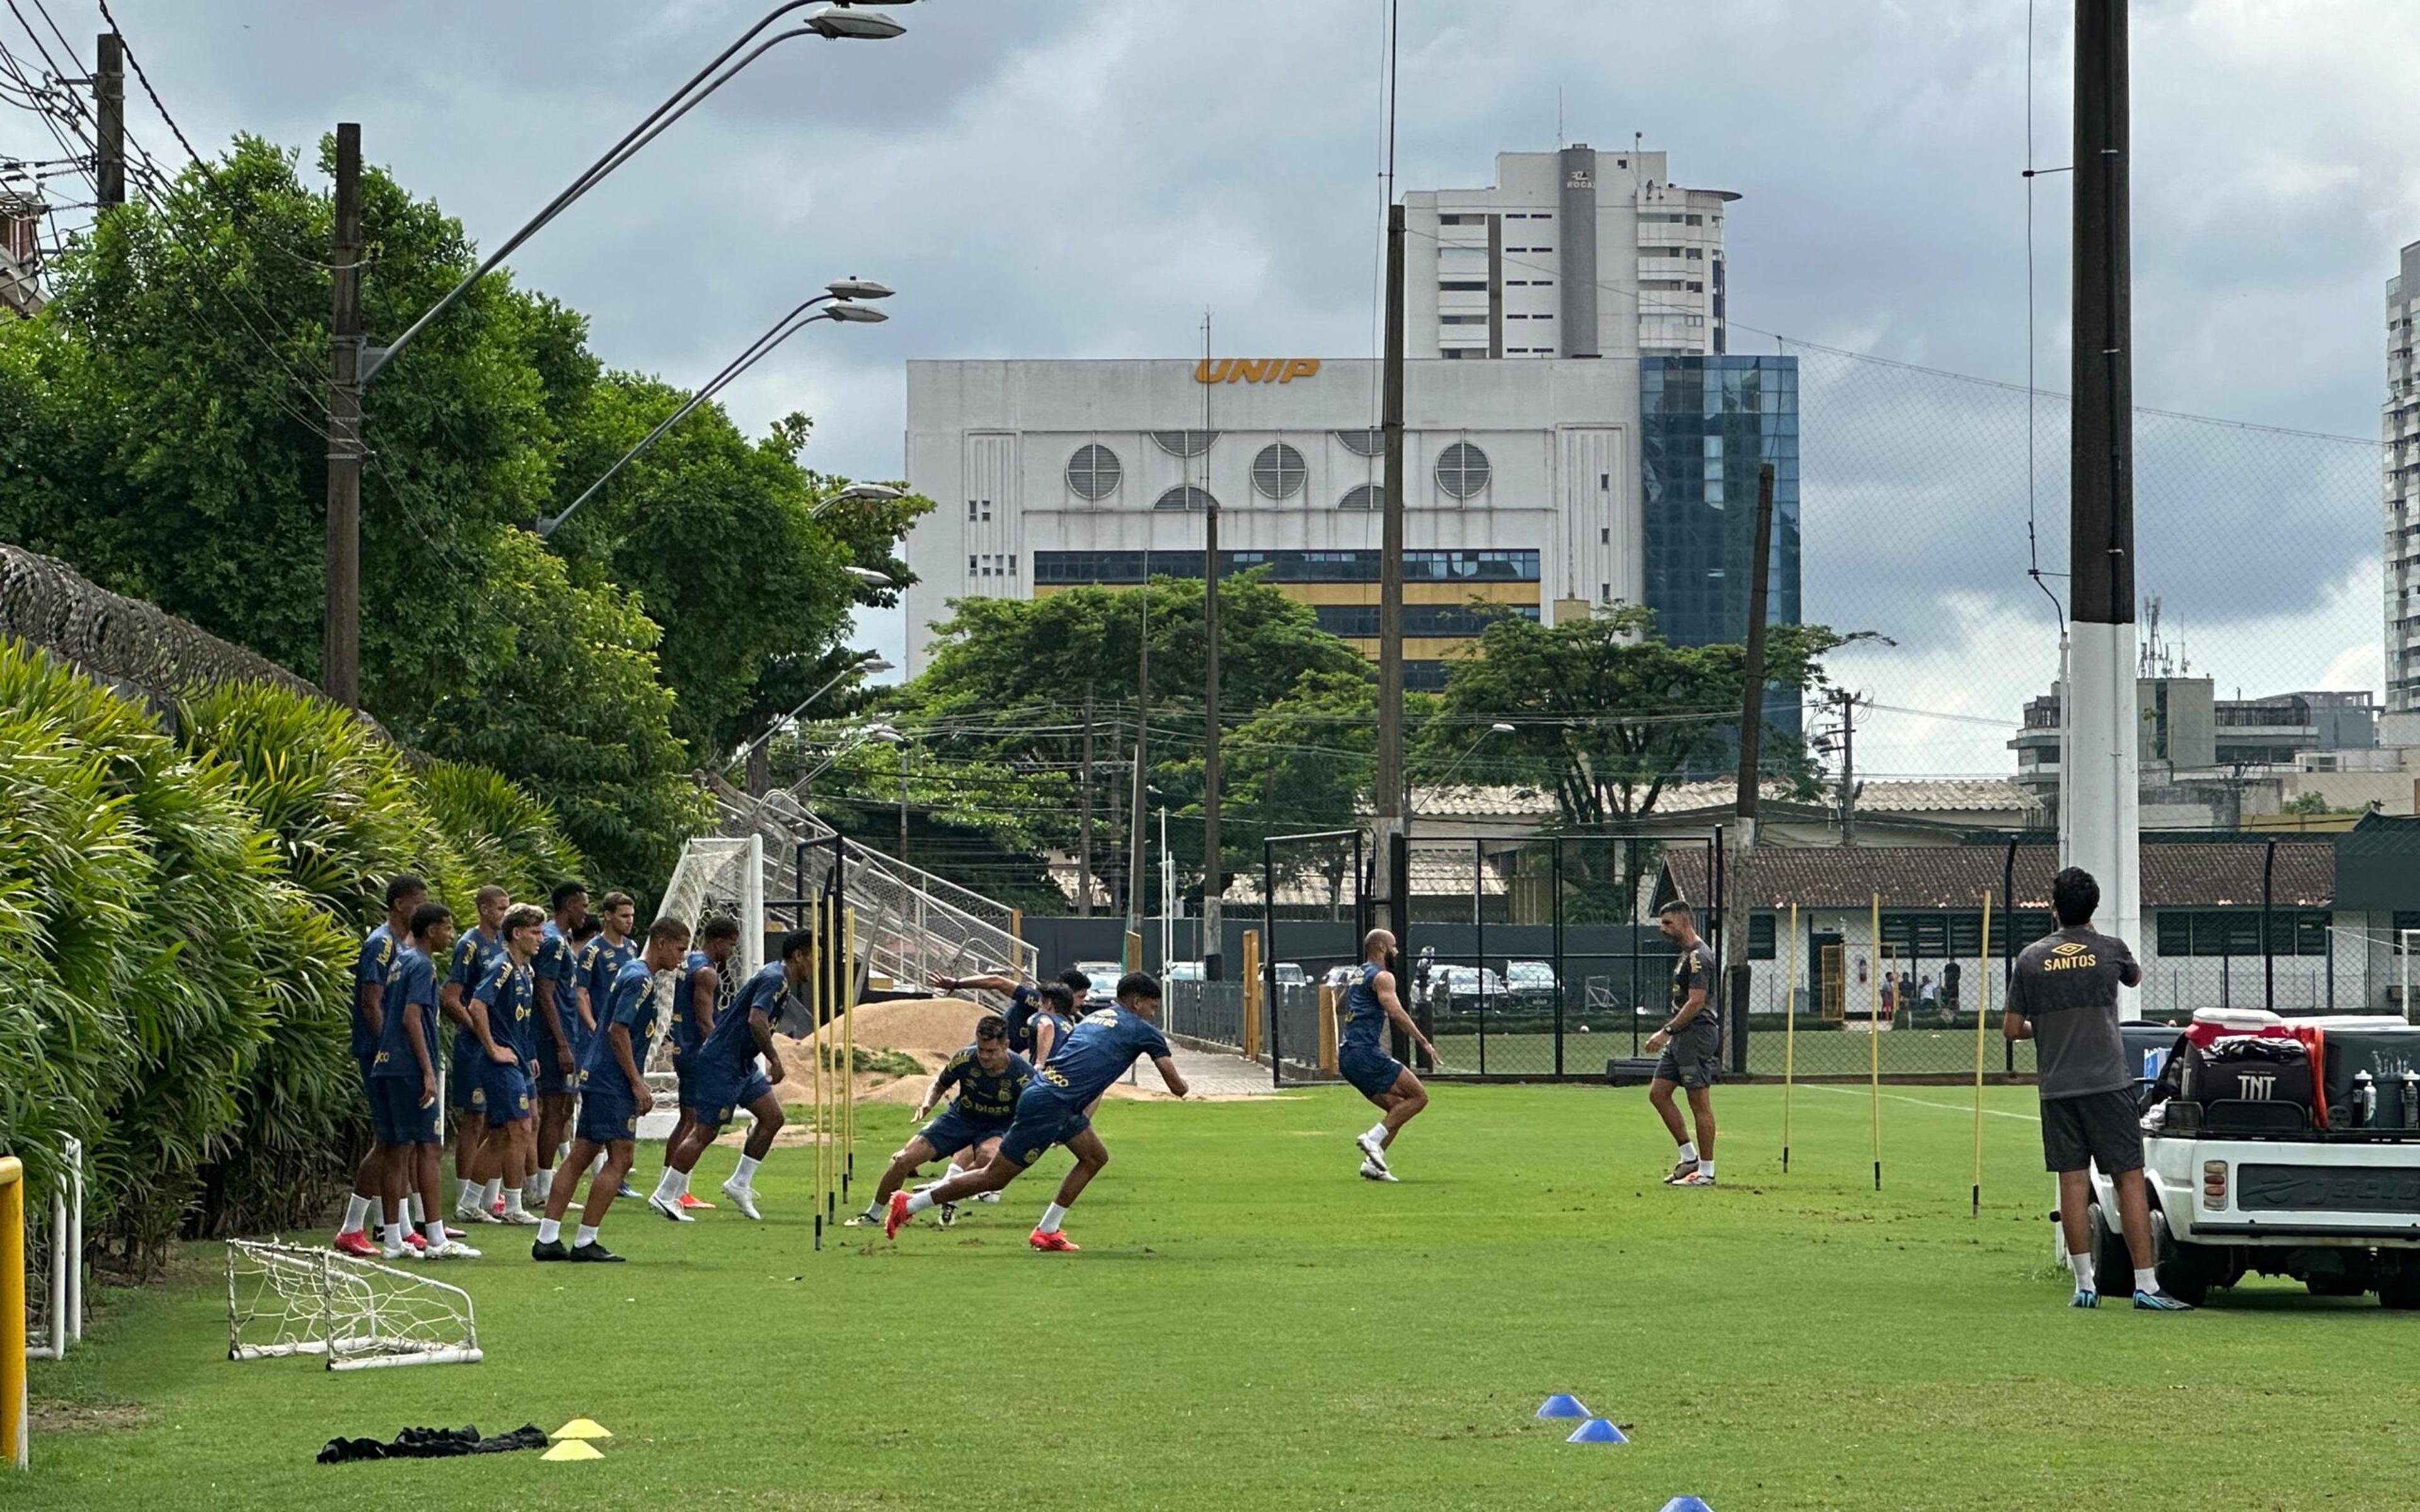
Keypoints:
pixel 849 1055
pixel 1982 1016
pixel 816 1055
pixel 1789 1032
pixel 1874 1044
pixel 15 1433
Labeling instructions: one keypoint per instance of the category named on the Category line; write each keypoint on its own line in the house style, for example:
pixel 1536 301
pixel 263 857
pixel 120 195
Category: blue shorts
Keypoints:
pixel 395 1108
pixel 685 1076
pixel 366 1059
pixel 1371 1071
pixel 551 1080
pixel 954 1130
pixel 465 1083
pixel 607 1113
pixel 1040 1124
pixel 508 1093
pixel 718 1099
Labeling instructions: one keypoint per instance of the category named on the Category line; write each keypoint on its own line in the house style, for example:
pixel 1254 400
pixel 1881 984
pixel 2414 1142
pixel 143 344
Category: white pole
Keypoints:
pixel 76 1239
pixel 751 939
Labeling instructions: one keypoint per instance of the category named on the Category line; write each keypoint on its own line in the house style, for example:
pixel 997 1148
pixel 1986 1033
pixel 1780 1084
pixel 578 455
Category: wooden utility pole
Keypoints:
pixel 1389 798
pixel 1213 873
pixel 109 116
pixel 340 654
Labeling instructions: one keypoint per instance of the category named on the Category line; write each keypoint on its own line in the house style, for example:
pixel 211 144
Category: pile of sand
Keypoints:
pixel 920 1025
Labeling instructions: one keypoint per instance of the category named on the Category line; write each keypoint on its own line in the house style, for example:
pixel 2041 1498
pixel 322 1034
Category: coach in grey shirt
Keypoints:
pixel 2065 999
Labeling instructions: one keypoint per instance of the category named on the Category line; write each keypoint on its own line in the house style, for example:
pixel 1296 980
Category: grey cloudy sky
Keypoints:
pixel 1084 177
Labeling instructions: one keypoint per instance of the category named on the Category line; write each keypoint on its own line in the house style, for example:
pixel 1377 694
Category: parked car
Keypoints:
pixel 1183 971
pixel 1466 988
pixel 1530 981
pixel 1105 975
pixel 1290 974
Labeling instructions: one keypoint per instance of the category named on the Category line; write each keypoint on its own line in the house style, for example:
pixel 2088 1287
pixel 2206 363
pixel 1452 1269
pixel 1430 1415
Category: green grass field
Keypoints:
pixel 1250 1325
pixel 1829 1051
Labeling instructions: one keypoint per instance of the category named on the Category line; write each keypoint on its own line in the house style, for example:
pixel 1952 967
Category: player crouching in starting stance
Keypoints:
pixel 989 1078
pixel 612 1094
pixel 1051 1110
pixel 1370 1004
pixel 723 1078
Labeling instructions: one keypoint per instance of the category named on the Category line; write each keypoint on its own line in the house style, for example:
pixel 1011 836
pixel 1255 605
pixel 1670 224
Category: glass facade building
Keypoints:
pixel 1707 424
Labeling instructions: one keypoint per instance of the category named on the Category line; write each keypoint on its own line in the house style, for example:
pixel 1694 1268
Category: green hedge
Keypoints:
pixel 177 918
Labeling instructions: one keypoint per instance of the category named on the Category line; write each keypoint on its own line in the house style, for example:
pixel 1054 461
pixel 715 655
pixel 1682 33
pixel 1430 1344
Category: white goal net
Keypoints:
pixel 287 1299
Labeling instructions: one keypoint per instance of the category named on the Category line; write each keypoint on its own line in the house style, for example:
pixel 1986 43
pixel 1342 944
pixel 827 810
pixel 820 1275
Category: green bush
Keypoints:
pixel 502 835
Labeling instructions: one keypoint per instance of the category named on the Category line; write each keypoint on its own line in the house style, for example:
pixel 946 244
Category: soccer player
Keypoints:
pixel 1370 1005
pixel 1051 1026
pixel 600 961
pixel 404 1080
pixel 1051 1111
pixel 701 993
pixel 725 1078
pixel 612 1093
pixel 2065 999
pixel 504 1014
pixel 474 1157
pixel 561 1035
pixel 1024 999
pixel 373 968
pixel 990 1078
pixel 1691 1040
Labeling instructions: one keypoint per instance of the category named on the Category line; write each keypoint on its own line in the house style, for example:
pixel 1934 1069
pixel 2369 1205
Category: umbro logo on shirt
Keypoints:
pixel 2071 955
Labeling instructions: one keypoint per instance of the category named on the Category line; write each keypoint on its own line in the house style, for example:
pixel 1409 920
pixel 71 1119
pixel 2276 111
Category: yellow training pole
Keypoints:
pixel 1874 1044
pixel 15 1435
pixel 1789 1033
pixel 815 1056
pixel 849 1058
pixel 1982 1014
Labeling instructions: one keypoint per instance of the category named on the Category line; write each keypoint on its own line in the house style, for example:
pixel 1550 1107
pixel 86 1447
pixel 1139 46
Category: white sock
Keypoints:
pixel 494 1193
pixel 550 1230
pixel 434 1232
pixel 419 1210
pixel 919 1201
pixel 470 1194
pixel 1052 1216
pixel 1688 1149
pixel 1377 1131
pixel 597 1165
pixel 669 1186
pixel 584 1235
pixel 684 1183
pixel 2082 1266
pixel 357 1213
pixel 2147 1280
pixel 745 1176
pixel 1706 1169
pixel 392 1242
pixel 954 1172
pixel 542 1186
pixel 513 1201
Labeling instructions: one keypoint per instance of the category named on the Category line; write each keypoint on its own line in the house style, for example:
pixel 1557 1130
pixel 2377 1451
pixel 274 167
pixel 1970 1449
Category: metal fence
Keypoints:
pixel 123 641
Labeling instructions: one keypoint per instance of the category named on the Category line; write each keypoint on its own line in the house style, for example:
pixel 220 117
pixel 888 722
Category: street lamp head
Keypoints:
pixel 857 289
pixel 865 493
pixel 858 313
pixel 838 24
pixel 1499 728
pixel 869 576
pixel 872 662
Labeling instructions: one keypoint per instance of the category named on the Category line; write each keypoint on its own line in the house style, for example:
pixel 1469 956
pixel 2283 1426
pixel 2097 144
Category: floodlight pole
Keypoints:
pixel 2100 812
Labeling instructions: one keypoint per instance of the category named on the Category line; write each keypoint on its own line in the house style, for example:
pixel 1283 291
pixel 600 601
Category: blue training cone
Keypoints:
pixel 1686 1504
pixel 1562 1405
pixel 1597 1431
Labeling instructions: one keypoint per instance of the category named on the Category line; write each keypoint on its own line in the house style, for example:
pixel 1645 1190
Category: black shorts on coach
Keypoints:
pixel 2102 1128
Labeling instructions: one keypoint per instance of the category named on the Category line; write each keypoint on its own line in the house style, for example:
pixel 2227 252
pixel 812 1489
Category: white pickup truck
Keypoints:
pixel 2331 1199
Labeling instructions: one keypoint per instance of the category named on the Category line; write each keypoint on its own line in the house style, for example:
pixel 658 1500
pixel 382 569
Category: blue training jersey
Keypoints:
pixel 1102 1046
pixel 687 1036
pixel 556 962
pixel 510 994
pixel 1024 1001
pixel 599 964
pixel 1061 1027
pixel 373 967
pixel 633 1003
pixel 731 1044
pixel 411 990
pixel 1365 1017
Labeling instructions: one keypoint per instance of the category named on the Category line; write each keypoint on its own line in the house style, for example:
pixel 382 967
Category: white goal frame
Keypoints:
pixel 355 1314
pixel 62 1290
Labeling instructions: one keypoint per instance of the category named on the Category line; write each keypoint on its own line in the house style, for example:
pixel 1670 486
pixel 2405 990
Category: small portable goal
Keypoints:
pixel 357 1315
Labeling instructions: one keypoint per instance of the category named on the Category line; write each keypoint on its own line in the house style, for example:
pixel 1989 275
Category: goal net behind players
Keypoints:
pixel 721 876
pixel 285 1298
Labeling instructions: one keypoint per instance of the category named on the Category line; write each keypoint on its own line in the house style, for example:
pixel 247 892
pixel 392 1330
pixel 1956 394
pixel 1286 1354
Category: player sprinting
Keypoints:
pixel 1691 1040
pixel 725 1078
pixel 476 1157
pixel 601 960
pixel 373 970
pixel 702 991
pixel 989 1078
pixel 403 1078
pixel 612 1093
pixel 561 1035
pixel 503 1011
pixel 1051 1111
pixel 1370 1005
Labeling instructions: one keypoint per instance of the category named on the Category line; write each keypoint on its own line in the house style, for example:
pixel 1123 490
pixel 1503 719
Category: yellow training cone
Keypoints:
pixel 581 1427
pixel 574 1449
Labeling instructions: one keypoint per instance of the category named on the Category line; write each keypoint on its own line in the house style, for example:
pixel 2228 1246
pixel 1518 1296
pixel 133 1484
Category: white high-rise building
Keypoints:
pixel 1571 253
pixel 2399 429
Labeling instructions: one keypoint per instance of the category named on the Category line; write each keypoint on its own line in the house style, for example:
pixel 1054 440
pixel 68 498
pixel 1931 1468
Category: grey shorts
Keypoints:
pixel 1695 1062
pixel 2100 1128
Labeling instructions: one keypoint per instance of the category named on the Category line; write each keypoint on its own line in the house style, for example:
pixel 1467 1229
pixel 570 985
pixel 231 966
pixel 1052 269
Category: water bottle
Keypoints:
pixel 2364 1100
pixel 2412 1100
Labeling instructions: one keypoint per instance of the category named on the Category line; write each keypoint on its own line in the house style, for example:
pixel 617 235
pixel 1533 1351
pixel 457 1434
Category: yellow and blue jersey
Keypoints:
pixel 411 988
pixel 510 994
pixel 373 967
pixel 1102 1046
